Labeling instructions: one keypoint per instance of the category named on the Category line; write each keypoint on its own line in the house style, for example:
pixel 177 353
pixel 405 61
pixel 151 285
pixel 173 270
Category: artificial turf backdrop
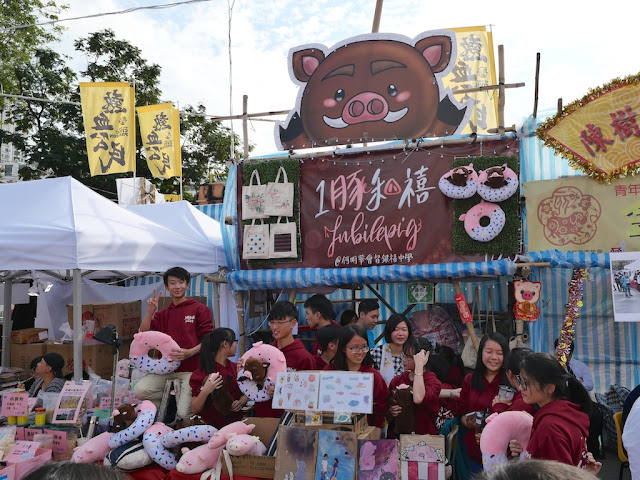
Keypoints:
pixel 508 240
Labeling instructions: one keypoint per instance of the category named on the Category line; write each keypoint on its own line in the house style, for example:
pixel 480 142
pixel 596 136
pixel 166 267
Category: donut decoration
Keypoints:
pixel 152 443
pixel 501 428
pixel 496 184
pixel 194 433
pixel 260 366
pixel 146 416
pixel 460 182
pixel 145 341
pixel 472 221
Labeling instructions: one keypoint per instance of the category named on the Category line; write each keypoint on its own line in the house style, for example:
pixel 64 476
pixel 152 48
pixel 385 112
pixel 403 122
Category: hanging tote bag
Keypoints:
pixel 284 239
pixel 255 241
pixel 253 198
pixel 279 196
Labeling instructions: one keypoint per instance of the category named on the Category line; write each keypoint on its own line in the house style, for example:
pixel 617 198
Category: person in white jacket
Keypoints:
pixel 631 440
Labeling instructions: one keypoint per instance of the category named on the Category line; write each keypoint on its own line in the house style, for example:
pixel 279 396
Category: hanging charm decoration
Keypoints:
pixel 568 332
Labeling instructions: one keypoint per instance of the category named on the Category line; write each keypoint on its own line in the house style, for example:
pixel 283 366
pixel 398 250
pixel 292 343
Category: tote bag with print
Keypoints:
pixel 279 196
pixel 283 242
pixel 255 241
pixel 253 198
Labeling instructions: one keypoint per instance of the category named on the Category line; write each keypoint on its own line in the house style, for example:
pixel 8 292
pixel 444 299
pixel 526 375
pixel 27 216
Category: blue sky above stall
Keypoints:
pixel 582 46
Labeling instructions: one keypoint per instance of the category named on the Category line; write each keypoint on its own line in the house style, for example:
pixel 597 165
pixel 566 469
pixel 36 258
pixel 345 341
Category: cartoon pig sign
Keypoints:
pixel 527 295
pixel 370 88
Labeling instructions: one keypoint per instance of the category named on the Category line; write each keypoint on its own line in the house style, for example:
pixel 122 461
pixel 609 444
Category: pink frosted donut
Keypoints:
pixel 460 182
pixel 151 339
pixel 472 225
pixel 496 184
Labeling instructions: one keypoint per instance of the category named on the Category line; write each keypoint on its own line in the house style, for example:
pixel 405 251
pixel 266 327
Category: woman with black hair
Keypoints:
pixel 561 425
pixel 353 356
pixel 516 356
pixel 388 357
pixel 479 388
pixel 49 373
pixel 217 347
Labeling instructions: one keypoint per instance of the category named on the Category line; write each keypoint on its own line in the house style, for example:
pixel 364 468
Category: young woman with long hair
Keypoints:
pixel 217 347
pixel 388 357
pixel 516 356
pixel 353 356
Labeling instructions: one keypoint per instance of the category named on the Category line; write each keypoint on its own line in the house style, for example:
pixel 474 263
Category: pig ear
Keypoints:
pixel 304 63
pixel 436 51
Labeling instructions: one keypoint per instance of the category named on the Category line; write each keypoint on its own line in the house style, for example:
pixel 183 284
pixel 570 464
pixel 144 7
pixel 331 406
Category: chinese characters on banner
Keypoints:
pixel 109 125
pixel 599 133
pixel 475 67
pixel 579 214
pixel 160 130
pixel 15 404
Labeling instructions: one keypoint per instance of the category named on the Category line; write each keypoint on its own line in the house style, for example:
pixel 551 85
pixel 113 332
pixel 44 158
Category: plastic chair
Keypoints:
pixel 622 454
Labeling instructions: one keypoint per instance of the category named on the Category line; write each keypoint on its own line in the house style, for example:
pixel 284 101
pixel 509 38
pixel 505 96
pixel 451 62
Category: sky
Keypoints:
pixel 582 45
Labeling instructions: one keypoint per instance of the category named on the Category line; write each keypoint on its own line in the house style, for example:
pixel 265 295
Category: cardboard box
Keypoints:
pixel 358 425
pixel 126 316
pixel 96 355
pixel 30 335
pixel 21 355
pixel 254 465
pixel 166 300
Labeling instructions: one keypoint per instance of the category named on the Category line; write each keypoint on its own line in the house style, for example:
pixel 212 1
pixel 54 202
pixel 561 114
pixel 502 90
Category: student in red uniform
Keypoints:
pixel 479 389
pixel 388 357
pixel 217 347
pixel 328 339
pixel 449 398
pixel 319 313
pixel 426 386
pixel 187 322
pixel 517 403
pixel 353 356
pixel 561 425
pixel 282 318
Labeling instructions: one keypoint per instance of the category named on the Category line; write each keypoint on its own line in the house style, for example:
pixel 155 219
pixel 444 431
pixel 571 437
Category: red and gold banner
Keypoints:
pixel 577 213
pixel 599 133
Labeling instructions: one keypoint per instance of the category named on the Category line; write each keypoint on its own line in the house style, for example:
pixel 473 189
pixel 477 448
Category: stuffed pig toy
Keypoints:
pixel 245 445
pixel 500 430
pixel 221 437
pixel 199 460
pixel 94 450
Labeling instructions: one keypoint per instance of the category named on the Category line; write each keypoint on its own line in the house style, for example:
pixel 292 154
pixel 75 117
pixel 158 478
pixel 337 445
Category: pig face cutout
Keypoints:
pixel 527 295
pixel 372 87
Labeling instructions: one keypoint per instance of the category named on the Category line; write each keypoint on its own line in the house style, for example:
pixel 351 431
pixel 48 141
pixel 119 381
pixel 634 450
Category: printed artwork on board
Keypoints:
pixel 378 459
pixel 296 454
pixel 337 452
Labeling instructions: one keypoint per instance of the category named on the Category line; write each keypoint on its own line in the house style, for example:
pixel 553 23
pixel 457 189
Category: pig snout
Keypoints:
pixel 527 295
pixel 365 107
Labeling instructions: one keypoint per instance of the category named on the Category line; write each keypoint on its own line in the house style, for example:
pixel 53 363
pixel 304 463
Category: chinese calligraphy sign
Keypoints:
pixel 160 130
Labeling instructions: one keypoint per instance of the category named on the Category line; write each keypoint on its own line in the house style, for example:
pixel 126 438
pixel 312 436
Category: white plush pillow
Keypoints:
pixel 128 457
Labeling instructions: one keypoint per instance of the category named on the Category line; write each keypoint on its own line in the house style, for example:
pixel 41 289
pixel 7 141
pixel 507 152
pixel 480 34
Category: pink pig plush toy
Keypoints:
pixel 500 430
pixel 245 445
pixel 145 341
pixel 199 460
pixel 221 437
pixel 94 450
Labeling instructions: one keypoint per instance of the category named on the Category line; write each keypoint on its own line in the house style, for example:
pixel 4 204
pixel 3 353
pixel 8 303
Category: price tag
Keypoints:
pixel 105 402
pixel 15 404
pixel 21 451
pixel 59 441
pixel 30 432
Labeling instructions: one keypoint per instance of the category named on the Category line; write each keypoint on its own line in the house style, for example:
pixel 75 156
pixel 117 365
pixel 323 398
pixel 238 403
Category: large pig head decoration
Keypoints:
pixel 372 88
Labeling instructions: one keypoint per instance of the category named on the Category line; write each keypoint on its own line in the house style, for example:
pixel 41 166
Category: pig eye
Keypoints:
pixel 392 90
pixel 339 95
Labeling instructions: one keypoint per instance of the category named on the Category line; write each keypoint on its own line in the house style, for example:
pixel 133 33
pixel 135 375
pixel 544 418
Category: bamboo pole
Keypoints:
pixel 461 91
pixel 245 126
pixel 535 94
pixel 472 332
pixel 376 17
pixel 240 313
pixel 501 89
pixel 292 296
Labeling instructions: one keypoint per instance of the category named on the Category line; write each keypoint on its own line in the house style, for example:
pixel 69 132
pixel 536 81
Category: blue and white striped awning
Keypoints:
pixel 311 277
pixel 562 259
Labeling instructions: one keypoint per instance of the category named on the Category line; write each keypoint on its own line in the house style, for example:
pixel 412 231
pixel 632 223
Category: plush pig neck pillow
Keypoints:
pixel 275 363
pixel 145 341
pixel 92 451
pixel 500 430
pixel 245 445
pixel 221 437
pixel 199 460
pixel 146 416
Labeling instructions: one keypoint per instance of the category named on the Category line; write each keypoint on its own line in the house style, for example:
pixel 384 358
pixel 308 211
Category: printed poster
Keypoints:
pixel 337 452
pixel 70 403
pixel 297 391
pixel 625 275
pixel 350 392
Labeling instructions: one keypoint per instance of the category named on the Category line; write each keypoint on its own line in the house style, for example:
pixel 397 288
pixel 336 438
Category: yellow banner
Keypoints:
pixel 160 130
pixel 475 67
pixel 171 197
pixel 109 125
pixel 577 213
pixel 599 133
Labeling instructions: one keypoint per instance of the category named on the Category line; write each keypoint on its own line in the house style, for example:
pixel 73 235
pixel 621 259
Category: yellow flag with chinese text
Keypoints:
pixel 109 125
pixel 475 67
pixel 160 130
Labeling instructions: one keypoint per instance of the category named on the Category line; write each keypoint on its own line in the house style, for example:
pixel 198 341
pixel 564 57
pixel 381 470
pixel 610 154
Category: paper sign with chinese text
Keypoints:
pixel 21 451
pixel 70 403
pixel 160 130
pixel 109 125
pixel 420 292
pixel 577 213
pixel 15 404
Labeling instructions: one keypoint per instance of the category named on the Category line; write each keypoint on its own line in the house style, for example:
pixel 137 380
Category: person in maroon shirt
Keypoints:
pixel 217 347
pixel 479 388
pixel 319 313
pixel 328 339
pixel 426 386
pixel 187 321
pixel 282 318
pixel 353 356
pixel 561 425
pixel 516 356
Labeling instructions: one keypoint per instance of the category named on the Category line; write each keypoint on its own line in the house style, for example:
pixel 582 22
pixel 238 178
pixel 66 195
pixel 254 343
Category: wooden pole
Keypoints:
pixel 376 17
pixel 292 296
pixel 535 94
pixel 472 332
pixel 245 126
pixel 560 105
pixel 501 89
pixel 240 312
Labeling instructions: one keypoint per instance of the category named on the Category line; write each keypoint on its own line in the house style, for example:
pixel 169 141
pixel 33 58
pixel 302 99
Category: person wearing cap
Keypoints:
pixel 49 371
pixel 328 340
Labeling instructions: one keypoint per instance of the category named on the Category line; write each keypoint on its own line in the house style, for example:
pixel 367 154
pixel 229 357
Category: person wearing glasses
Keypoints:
pixel 282 318
pixel 561 425
pixel 353 356
pixel 479 389
pixel 388 357
pixel 517 403
pixel 217 348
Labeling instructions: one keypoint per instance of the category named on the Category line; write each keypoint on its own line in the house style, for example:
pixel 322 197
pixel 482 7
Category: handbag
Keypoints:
pixel 255 241
pixel 279 196
pixel 283 239
pixel 253 198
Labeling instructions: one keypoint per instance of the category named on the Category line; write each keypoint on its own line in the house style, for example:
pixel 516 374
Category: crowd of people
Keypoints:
pixel 441 394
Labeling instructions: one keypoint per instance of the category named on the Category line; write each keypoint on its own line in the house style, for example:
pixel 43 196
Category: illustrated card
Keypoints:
pixel 337 452
pixel 297 391
pixel 346 392
pixel 378 460
pixel 296 454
